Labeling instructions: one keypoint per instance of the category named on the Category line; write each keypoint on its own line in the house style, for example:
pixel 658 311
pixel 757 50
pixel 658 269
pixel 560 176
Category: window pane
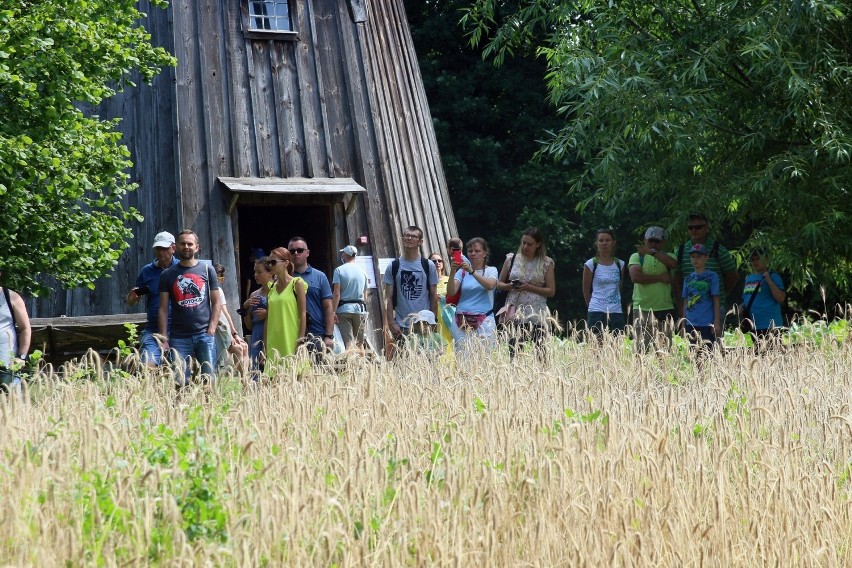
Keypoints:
pixel 273 15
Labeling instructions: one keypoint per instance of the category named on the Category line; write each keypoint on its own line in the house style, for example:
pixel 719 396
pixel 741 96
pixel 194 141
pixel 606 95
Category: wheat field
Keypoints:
pixel 598 456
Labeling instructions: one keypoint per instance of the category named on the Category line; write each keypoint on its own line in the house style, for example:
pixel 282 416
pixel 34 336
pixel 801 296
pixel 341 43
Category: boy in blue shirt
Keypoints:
pixel 701 300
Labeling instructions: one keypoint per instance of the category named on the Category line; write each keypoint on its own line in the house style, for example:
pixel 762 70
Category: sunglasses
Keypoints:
pixel 654 240
pixel 696 227
pixel 297 250
pixel 272 262
pixel 437 260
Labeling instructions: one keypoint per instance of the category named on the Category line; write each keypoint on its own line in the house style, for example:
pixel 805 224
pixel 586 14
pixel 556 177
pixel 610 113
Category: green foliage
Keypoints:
pixel 195 473
pixel 63 173
pixel 740 109
pixel 488 125
pixel 125 348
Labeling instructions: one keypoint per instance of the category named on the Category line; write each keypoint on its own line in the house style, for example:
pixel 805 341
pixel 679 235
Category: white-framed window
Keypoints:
pixel 269 16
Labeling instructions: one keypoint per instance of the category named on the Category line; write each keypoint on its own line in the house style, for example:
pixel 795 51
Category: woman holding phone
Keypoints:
pixel 477 281
pixel 528 277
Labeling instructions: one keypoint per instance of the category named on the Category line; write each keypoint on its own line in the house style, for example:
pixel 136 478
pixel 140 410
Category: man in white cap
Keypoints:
pixel 653 306
pixel 349 298
pixel 148 284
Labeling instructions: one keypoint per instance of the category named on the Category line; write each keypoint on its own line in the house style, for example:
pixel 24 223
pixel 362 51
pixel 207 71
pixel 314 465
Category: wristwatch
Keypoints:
pixel 327 336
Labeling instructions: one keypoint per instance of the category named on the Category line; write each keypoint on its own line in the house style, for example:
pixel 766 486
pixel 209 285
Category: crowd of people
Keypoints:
pixel 448 301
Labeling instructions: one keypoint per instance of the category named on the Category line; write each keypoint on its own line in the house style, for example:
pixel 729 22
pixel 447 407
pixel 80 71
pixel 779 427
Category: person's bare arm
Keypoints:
pixel 503 280
pixel 132 297
pixel 215 311
pixel 328 316
pixel 778 294
pixel 22 319
pixel 388 317
pixel 302 304
pixel 433 299
pixel 163 314
pixel 335 297
pixel 587 284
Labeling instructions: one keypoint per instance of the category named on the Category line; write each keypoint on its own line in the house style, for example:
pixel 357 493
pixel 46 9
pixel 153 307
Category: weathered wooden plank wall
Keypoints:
pixel 344 99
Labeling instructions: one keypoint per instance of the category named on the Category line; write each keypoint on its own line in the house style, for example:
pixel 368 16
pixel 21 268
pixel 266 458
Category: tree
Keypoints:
pixel 741 109
pixel 63 173
pixel 488 124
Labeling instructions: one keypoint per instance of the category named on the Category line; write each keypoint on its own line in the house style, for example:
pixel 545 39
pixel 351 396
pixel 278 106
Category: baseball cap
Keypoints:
pixel 699 249
pixel 164 239
pixel 349 250
pixel 258 253
pixel 655 233
pixel 425 316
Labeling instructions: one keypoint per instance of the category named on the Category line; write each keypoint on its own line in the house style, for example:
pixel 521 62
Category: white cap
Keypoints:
pixel 164 239
pixel 349 250
pixel 425 316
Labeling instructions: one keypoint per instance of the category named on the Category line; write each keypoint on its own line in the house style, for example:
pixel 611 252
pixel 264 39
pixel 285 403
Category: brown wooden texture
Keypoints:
pixel 66 338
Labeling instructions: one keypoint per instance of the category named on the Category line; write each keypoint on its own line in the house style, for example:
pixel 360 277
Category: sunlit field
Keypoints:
pixel 598 456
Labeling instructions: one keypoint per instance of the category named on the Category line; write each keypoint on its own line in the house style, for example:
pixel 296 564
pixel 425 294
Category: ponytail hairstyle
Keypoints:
pixel 281 253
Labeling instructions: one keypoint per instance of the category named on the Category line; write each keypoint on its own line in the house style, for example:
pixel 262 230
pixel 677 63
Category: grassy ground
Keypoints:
pixel 598 457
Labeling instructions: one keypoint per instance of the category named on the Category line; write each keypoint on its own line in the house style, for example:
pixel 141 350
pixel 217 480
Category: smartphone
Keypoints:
pixel 142 290
pixel 457 256
pixel 515 283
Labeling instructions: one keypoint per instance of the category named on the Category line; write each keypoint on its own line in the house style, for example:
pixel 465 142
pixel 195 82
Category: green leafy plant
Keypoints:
pixel 194 473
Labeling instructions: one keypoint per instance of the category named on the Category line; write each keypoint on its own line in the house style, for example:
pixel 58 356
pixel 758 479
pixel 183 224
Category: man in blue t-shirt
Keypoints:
pixel 701 299
pixel 412 289
pixel 148 285
pixel 349 291
pixel 320 333
pixel 191 289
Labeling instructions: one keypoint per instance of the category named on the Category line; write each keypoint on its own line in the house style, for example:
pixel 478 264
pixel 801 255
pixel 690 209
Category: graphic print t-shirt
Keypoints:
pixel 412 287
pixel 765 311
pixel 189 289
pixel 698 292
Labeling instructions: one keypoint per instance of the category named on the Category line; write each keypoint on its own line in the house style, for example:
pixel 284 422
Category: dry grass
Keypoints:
pixel 747 462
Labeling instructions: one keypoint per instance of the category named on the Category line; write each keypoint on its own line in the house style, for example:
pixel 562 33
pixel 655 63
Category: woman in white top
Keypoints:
pixel 603 275
pixel 528 277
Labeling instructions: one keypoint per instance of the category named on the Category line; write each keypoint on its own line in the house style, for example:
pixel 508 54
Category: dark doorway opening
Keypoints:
pixel 271 226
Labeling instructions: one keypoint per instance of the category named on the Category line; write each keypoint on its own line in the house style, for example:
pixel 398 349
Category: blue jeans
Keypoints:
pixel 200 345
pixel 597 322
pixel 149 349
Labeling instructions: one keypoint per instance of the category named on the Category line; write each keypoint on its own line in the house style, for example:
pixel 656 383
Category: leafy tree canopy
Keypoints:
pixel 63 173
pixel 740 109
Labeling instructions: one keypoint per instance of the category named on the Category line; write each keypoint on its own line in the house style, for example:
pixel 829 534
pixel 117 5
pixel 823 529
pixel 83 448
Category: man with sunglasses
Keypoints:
pixel 653 305
pixel 719 261
pixel 320 332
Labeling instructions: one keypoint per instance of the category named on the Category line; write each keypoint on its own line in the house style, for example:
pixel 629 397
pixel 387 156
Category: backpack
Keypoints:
pixel 395 270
